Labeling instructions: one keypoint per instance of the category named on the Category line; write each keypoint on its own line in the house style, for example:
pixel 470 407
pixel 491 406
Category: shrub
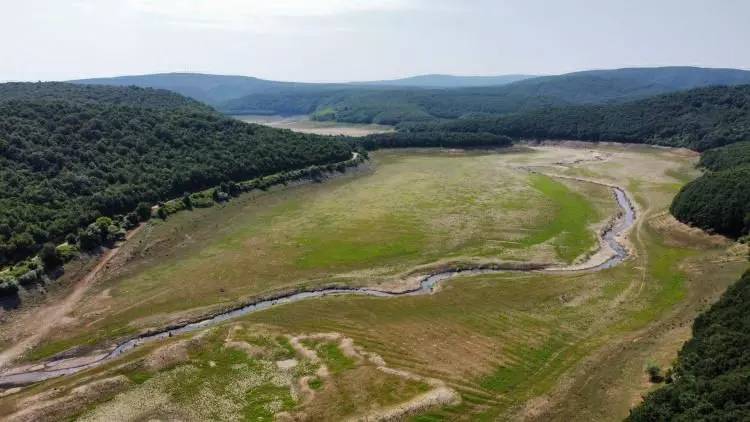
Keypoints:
pixel 49 256
pixel 654 374
pixel 143 211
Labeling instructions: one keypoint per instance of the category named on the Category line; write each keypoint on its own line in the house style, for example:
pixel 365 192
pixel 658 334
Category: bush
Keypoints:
pixel 49 256
pixel 143 211
pixel 654 374
pixel 71 239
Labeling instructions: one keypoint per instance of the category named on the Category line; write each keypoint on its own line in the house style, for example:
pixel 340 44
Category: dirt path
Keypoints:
pixel 46 317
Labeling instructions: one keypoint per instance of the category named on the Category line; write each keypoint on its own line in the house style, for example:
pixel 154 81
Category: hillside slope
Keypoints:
pixel 712 373
pixel 366 104
pixel 65 163
pixel 210 89
pixel 700 119
pixel 720 199
pixel 79 94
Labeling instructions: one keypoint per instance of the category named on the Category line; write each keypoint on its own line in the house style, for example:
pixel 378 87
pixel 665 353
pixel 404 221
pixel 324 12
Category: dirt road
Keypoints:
pixel 43 319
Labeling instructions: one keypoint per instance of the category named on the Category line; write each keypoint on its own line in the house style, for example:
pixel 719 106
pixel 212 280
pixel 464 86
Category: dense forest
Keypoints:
pixel 711 378
pixel 394 102
pixel 103 150
pixel 726 157
pixel 81 94
pixel 432 139
pixel 720 199
pixel 699 119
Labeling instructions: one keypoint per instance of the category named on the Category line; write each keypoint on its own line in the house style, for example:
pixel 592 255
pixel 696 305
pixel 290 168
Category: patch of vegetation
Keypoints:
pixel 331 355
pixel 315 383
pixel 712 372
pixel 569 223
pixel 265 401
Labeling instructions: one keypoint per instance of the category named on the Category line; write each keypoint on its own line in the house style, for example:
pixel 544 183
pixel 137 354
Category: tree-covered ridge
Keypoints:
pixel 726 157
pixel 63 164
pixel 125 96
pixel 711 378
pixel 718 201
pixel 698 119
pixel 371 104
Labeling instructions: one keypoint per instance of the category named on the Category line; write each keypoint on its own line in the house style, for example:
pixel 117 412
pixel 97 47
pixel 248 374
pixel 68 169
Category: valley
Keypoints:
pixel 502 344
pixel 304 124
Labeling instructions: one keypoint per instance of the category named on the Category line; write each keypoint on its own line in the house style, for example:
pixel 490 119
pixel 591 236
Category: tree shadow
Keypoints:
pixel 9 302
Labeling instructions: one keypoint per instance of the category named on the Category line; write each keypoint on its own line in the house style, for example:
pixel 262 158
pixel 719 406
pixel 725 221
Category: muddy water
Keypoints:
pixel 427 285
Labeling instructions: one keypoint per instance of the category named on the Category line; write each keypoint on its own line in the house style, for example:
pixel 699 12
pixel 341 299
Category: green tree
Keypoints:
pixel 144 211
pixel 49 256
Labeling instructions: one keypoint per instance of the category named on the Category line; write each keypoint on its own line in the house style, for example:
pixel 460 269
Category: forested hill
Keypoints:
pixel 429 97
pixel 448 81
pixel 127 96
pixel 64 162
pixel 711 379
pixel 720 199
pixel 725 158
pixel 211 89
pixel 699 119
pixel 627 84
pixel 366 104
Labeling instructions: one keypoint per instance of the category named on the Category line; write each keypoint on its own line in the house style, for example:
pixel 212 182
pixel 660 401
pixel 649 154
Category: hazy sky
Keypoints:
pixel 343 40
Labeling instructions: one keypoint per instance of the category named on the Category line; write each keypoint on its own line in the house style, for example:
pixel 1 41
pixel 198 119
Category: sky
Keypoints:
pixel 348 40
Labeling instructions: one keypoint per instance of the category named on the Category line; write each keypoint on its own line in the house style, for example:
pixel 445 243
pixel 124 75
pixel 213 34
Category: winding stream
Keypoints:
pixel 610 236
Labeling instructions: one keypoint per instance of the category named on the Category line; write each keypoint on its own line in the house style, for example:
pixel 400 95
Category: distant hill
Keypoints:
pixel 427 97
pixel 448 81
pixel 600 86
pixel 211 89
pixel 377 104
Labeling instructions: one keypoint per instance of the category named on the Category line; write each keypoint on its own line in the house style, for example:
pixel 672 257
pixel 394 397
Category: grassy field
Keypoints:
pixel 411 209
pixel 569 346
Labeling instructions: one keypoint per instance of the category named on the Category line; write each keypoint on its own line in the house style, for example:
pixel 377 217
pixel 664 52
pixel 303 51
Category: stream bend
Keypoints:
pixel 610 236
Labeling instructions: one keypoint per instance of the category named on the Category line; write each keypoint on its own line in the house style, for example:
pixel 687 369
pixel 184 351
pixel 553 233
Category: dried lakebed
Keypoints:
pixel 610 237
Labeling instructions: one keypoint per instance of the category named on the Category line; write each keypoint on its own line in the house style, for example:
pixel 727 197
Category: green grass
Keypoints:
pixel 414 209
pixel 568 222
pixel 332 356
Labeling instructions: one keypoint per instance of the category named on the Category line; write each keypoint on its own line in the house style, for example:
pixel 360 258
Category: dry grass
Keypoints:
pixel 531 346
